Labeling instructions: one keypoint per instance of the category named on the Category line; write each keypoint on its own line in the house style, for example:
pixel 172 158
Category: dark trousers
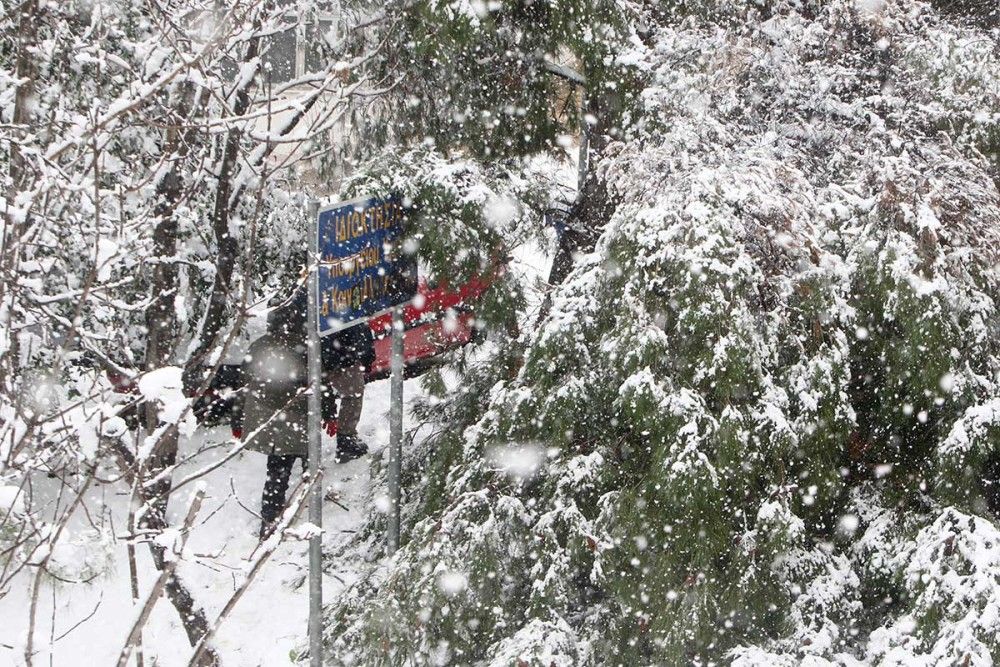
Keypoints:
pixel 279 471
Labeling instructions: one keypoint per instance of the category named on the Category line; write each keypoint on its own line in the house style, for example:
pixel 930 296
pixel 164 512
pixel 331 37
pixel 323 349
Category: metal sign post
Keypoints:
pixel 315 463
pixel 395 429
pixel 583 158
pixel 364 272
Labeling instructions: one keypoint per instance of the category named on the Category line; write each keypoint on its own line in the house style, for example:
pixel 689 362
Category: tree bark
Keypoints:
pixel 592 208
pixel 10 245
pixel 25 68
pixel 167 570
pixel 161 325
pixel 227 197
pixel 227 249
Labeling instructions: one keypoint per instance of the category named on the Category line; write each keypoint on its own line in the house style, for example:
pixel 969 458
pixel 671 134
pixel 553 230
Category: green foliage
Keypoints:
pixel 473 75
pixel 763 403
pixel 457 596
pixel 463 221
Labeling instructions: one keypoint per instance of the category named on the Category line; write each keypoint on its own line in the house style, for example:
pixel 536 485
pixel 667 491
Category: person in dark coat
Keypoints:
pixel 346 356
pixel 273 408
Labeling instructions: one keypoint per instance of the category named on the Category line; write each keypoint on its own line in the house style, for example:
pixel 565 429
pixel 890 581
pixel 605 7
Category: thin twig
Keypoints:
pixel 240 502
pixel 84 619
pixel 133 569
pixel 36 583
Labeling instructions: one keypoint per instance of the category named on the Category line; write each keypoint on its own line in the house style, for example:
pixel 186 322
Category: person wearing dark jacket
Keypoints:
pixel 346 356
pixel 273 410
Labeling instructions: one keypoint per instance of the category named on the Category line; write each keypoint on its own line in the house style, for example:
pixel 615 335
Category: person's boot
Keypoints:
pixel 266 529
pixel 350 447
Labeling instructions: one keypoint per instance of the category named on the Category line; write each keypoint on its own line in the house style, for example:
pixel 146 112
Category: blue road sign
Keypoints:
pixel 363 270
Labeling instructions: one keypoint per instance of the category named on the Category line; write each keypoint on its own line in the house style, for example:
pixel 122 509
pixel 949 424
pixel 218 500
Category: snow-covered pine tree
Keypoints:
pixel 491 81
pixel 488 78
pixel 759 423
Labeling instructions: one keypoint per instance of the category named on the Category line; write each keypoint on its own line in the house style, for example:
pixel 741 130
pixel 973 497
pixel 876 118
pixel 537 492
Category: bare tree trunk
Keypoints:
pixel 161 325
pixel 592 208
pixel 10 244
pixel 133 568
pixel 583 227
pixel 227 197
pixel 167 570
pixel 27 36
pixel 227 248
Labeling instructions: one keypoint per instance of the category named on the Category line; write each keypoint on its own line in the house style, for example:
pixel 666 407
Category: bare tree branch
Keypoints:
pixel 161 582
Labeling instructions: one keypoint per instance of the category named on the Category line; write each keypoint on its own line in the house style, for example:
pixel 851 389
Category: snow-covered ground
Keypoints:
pixel 267 625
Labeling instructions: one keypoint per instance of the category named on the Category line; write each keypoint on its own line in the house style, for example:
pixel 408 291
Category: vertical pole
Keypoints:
pixel 395 428
pixel 315 467
pixel 584 155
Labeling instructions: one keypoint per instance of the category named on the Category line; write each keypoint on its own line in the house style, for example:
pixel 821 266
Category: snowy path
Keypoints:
pixel 267 625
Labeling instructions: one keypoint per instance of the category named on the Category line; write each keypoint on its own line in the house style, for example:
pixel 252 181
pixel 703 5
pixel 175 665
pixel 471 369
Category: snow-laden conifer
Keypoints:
pixel 761 413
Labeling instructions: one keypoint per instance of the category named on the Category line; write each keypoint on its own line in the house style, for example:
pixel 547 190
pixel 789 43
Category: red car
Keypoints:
pixel 439 319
